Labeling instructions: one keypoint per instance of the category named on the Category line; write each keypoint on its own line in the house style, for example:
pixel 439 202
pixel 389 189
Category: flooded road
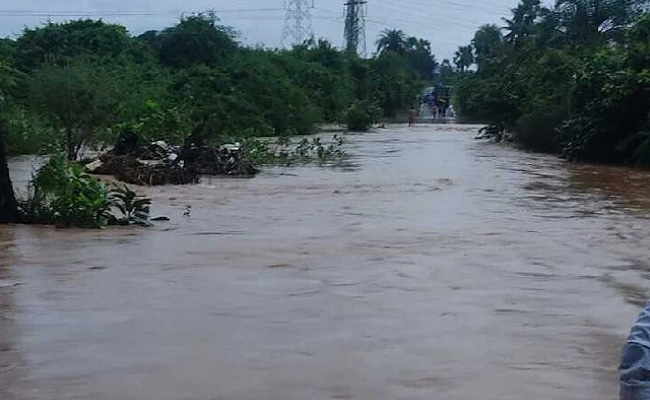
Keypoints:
pixel 432 266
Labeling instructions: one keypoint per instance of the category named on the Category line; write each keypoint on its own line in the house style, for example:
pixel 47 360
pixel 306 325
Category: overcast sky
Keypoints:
pixel 446 23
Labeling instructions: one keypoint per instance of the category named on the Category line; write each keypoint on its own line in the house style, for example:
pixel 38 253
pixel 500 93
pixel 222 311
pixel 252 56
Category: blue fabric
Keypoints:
pixel 635 362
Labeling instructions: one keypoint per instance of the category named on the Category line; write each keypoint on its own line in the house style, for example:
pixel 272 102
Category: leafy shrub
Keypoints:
pixel 64 195
pixel 27 133
pixel 80 100
pixel 285 152
pixel 134 209
pixel 360 116
pixel 536 130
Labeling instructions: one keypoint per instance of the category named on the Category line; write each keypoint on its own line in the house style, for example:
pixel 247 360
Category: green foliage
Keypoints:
pixel 28 133
pixel 571 79
pixel 134 208
pixel 446 75
pixel 78 100
pixel 62 194
pixel 391 40
pixel 395 84
pixel 322 71
pixel 361 115
pixel 522 24
pixel 284 106
pixel 285 152
pixel 487 45
pixel 464 58
pixel 86 82
pixel 536 130
pixel 416 52
pixel 196 40
pixel 154 121
pixel 56 43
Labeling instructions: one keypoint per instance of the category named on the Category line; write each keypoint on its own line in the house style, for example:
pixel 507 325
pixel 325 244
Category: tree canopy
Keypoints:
pixel 572 79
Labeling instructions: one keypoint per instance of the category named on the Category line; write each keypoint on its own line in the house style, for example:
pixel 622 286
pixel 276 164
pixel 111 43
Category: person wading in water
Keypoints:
pixel 413 113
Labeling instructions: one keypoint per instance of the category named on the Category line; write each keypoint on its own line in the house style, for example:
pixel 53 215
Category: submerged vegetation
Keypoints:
pixel 62 194
pixel 573 79
pixel 285 151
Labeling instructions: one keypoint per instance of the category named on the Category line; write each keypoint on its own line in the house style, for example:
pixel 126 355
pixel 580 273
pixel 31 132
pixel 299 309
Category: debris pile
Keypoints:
pixel 159 163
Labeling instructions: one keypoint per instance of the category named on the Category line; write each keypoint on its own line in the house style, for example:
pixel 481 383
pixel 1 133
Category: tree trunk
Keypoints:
pixel 8 204
pixel 71 153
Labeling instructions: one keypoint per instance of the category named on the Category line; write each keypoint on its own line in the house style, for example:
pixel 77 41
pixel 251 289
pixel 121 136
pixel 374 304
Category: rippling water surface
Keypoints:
pixel 428 266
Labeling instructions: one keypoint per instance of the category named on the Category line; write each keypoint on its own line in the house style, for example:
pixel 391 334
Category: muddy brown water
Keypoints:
pixel 428 266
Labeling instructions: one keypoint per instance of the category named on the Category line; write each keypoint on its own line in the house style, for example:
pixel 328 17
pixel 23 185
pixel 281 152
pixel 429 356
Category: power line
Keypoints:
pixel 112 13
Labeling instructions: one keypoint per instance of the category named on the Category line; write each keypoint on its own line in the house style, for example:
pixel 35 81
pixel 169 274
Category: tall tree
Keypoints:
pixel 487 43
pixel 588 19
pixel 464 58
pixel 197 39
pixel 418 53
pixel 8 204
pixel 80 100
pixel 445 73
pixel 55 43
pixel 391 40
pixel 522 23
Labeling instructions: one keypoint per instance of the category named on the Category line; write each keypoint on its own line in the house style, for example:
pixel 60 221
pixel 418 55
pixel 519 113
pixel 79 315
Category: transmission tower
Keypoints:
pixel 355 26
pixel 297 22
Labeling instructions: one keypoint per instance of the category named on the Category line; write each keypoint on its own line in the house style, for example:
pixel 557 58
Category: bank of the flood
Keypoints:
pixel 430 266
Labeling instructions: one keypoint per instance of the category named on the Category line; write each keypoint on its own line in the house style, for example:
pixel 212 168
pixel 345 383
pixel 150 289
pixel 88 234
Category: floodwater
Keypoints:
pixel 428 266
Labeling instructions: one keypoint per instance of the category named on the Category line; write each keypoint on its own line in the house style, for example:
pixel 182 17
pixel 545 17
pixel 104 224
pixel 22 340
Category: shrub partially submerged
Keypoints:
pixel 62 194
pixel 286 152
pixel 361 115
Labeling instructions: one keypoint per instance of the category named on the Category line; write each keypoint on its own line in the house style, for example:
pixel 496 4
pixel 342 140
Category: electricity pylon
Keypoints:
pixel 355 26
pixel 297 22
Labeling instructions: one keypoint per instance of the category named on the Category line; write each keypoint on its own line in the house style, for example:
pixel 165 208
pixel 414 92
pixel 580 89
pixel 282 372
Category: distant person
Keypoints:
pixel 434 112
pixel 442 106
pixel 413 113
pixel 635 362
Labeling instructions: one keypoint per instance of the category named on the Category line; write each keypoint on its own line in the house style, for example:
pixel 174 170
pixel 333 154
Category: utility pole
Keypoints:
pixel 297 22
pixel 355 26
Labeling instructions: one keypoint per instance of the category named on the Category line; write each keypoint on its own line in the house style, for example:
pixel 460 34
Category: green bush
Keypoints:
pixel 27 133
pixel 62 194
pixel 285 152
pixel 563 84
pixel 536 130
pixel 360 116
pixel 134 208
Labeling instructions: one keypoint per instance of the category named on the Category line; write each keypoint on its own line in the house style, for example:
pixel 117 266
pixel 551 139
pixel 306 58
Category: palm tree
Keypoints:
pixel 487 42
pixel 464 57
pixel 523 20
pixel 8 204
pixel 391 40
pixel 588 19
pixel 418 53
